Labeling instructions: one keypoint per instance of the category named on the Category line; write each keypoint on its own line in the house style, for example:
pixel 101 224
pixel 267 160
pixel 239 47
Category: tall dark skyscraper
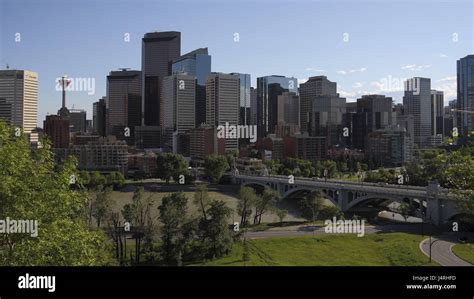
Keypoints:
pixel 268 90
pixel 437 113
pixel 465 90
pixel 159 50
pixel 253 106
pixel 198 64
pixel 123 103
pixel 314 87
pixel 77 120
pixel 98 117
pixel 327 118
pixel 374 112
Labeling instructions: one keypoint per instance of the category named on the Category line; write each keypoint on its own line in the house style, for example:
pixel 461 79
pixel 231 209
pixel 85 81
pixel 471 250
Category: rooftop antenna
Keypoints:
pixel 64 83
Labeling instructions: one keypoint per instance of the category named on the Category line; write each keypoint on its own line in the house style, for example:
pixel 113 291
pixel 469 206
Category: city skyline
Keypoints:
pixel 248 52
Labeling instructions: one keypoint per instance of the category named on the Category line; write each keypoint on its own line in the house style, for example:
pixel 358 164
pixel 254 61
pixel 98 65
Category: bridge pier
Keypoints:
pixel 343 201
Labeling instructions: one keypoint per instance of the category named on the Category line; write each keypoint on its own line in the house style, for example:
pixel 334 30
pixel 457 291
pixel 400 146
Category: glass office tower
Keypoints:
pixel 465 91
pixel 244 101
pixel 269 88
pixel 198 64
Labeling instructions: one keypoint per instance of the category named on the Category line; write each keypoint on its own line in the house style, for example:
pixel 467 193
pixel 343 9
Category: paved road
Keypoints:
pixel 441 251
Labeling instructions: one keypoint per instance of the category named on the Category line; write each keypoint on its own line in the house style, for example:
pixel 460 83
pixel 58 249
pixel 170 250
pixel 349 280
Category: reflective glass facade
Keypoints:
pixel 244 101
pixel 198 64
pixel 465 91
pixel 269 88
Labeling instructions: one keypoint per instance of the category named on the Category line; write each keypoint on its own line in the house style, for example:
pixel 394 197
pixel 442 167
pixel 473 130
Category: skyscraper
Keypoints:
pixel 98 117
pixel 327 118
pixel 19 100
pixel 450 118
pixel 244 102
pixel 465 95
pixel 374 112
pixel 77 120
pixel 314 87
pixel 268 90
pixel 222 104
pixel 288 108
pixel 437 112
pixel 253 106
pixel 417 102
pixel 196 63
pixel 123 103
pixel 159 49
pixel 179 95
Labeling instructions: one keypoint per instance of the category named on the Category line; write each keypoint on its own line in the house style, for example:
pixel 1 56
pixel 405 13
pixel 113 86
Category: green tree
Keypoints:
pixel 331 167
pixel 215 167
pixel 459 176
pixel 281 213
pixel 311 205
pixel 173 212
pixel 171 166
pixel 215 233
pixel 328 212
pixel 318 169
pixel 102 205
pixel 201 199
pixel 139 175
pixel 97 180
pixel 247 198
pixel 116 179
pixel 138 214
pixel 85 177
pixel 32 188
pixel 264 203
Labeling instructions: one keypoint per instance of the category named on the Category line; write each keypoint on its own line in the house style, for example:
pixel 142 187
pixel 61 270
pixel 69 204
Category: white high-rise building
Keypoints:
pixel 417 102
pixel 19 100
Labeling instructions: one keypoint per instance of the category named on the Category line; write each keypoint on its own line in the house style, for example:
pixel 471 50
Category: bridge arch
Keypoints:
pixel 297 189
pixel 371 197
pixel 464 220
pixel 258 186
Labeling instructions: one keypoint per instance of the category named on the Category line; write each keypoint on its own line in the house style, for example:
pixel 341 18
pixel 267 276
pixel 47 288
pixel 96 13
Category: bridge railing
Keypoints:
pixel 340 184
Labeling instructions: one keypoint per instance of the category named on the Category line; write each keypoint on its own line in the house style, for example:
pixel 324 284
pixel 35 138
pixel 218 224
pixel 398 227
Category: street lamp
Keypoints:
pixel 431 245
pixel 432 242
pixel 423 216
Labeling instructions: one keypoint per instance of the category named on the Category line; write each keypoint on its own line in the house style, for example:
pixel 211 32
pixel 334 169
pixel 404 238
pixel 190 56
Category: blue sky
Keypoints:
pixel 386 41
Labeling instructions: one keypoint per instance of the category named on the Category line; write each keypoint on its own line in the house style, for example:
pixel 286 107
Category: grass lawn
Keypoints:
pixel 390 249
pixel 465 251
